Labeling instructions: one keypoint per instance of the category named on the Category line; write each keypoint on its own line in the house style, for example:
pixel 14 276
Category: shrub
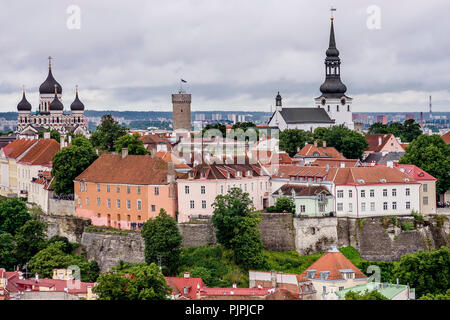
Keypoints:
pixel 407 225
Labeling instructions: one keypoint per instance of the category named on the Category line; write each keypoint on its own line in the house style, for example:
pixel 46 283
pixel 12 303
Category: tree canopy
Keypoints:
pixel 367 295
pixel 69 163
pixel 162 241
pixel 107 133
pixel 236 222
pixel 217 126
pixel 29 239
pixel 140 282
pixel 407 131
pixel 291 139
pixel 432 154
pixel 132 143
pixel 284 204
pixel 7 257
pixel 13 215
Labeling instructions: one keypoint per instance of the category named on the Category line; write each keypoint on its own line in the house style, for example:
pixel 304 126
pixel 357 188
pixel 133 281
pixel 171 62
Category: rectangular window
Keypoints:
pixel 128 189
pixel 107 188
pixel 153 208
pixel 87 201
pixel 128 204
pixel 340 193
pixel 252 186
pixel 425 200
pixel 394 192
pixel 202 189
pixel 408 191
pixel 138 190
pixel 321 208
pixel 384 192
pixel 372 206
pixel 156 191
pixel 98 201
pixel 302 208
pixel 139 205
pixel 385 206
pixel 363 193
pixel 118 204
pixel 425 187
pixel 372 193
pixel 340 206
pixel 221 189
pixel 203 204
pixel 192 204
pixel 363 206
pixel 394 205
pixel 408 205
pixel 350 207
pixel 117 188
pixel 350 193
pixel 98 187
pixel 108 203
pixel 186 189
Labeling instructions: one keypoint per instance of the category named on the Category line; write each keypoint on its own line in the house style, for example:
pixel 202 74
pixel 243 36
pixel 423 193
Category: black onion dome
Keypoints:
pixel 48 86
pixel 24 105
pixel 77 105
pixel 333 85
pixel 56 105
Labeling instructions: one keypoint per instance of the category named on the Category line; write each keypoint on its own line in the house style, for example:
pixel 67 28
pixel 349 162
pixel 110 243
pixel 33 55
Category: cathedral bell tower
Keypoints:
pixel 333 98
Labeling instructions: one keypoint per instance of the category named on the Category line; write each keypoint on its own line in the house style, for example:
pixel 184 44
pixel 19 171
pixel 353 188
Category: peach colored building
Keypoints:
pixel 383 143
pixel 124 191
pixel 198 191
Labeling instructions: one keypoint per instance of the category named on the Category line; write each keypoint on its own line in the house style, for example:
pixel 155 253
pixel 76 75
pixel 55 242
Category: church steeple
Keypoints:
pixel 333 86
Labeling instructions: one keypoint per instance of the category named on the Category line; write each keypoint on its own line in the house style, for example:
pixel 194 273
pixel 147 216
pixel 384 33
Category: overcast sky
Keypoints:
pixel 235 54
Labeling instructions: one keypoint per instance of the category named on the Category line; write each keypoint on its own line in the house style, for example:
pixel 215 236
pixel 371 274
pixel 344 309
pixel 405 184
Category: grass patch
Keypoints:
pixel 289 261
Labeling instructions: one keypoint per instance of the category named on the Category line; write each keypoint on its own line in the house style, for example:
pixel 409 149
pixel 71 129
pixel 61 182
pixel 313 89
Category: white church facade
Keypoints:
pixel 332 107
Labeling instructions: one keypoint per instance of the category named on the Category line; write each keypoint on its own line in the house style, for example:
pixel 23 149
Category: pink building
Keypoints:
pixel 382 119
pixel 198 191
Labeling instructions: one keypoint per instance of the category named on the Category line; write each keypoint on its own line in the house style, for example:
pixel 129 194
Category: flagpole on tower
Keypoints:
pixel 181 85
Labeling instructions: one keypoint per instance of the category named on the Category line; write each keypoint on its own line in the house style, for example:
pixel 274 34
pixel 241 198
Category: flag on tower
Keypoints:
pixel 182 80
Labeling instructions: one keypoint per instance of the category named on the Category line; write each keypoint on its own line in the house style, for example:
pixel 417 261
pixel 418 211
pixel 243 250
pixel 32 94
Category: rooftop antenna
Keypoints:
pixel 431 112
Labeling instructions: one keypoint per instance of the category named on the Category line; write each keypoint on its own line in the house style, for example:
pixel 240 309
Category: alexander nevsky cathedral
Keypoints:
pixel 51 114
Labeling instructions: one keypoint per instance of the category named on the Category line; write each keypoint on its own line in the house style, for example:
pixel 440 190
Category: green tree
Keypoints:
pixel 236 222
pixel 291 139
pixel 218 126
pixel 30 239
pixel 439 296
pixel 67 246
pixel 244 134
pixel 353 145
pixel 7 257
pixel 132 142
pixel 69 163
pixel 162 240
pixel 426 271
pixel 13 215
pixel 140 282
pixel 107 133
pixel 411 130
pixel 284 204
pixel 55 257
pixel 378 128
pixel 431 154
pixel 367 295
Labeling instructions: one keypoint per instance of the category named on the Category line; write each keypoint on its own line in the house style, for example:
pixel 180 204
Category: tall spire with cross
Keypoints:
pixel 50 62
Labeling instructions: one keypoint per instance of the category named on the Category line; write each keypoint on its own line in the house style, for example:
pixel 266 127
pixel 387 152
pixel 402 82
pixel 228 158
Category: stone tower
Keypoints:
pixel 181 111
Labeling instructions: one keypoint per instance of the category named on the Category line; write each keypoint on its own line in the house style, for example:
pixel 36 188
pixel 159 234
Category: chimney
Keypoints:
pixel 273 278
pixel 37 277
pixel 186 275
pixel 379 141
pixel 124 152
pixel 234 285
pixel 46 135
pixel 342 164
pixel 298 149
pixel 96 151
pixel 170 172
pixel 70 139
pixel 61 142
pixel 397 283
pixel 327 167
pixel 152 153
pixel 315 143
pixel 324 144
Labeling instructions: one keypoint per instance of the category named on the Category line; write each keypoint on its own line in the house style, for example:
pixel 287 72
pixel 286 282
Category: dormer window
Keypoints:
pixel 203 175
pixel 382 180
pixel 360 180
pixel 324 275
pixel 191 175
pixel 310 274
pixel 249 173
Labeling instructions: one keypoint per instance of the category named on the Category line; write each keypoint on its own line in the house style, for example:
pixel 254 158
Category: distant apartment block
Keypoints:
pixel 381 119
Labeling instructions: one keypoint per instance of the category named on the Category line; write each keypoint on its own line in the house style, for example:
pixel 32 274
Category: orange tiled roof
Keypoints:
pixel 153 139
pixel 333 261
pixel 335 162
pixel 17 147
pixel 446 137
pixel 41 153
pixel 141 170
pixel 374 141
pixel 311 150
pixel 371 175
pixel 169 157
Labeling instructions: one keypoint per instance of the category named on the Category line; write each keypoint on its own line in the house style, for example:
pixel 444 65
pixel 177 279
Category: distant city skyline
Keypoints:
pixel 131 56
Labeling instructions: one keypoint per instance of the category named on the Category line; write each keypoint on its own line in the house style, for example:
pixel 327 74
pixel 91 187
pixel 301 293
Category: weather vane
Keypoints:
pixel 331 10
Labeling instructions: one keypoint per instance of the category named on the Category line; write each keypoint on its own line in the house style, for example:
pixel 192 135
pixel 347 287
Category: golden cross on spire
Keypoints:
pixel 56 87
pixel 23 88
pixel 331 10
pixel 50 62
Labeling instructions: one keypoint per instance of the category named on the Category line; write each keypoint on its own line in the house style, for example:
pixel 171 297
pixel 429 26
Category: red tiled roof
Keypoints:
pixel 153 139
pixel 236 291
pixel 311 150
pixel 17 147
pixel 167 156
pixel 41 153
pixel 132 169
pixel 179 283
pixel 446 137
pixel 335 162
pixel 374 141
pixel 371 175
pixel 415 172
pixel 301 191
pixel 285 171
pixel 333 261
